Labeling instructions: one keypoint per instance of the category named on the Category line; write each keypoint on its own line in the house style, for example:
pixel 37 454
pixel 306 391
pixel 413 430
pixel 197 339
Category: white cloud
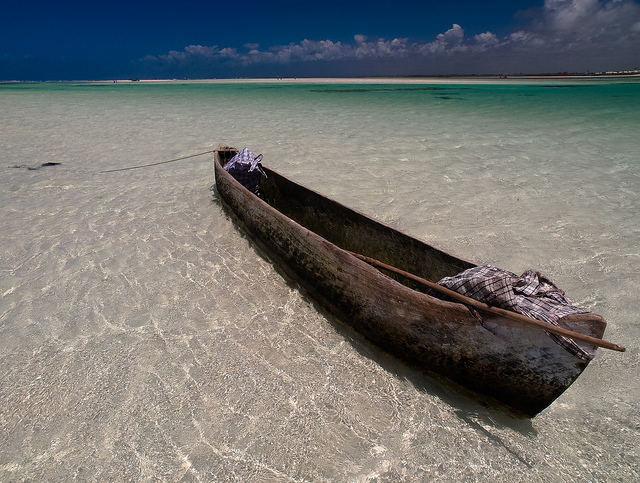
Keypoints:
pixel 452 36
pixel 360 39
pixel 485 41
pixel 585 19
pixel 449 41
pixel 191 53
pixel 307 50
pixel 380 48
pixel 486 38
pixel 201 50
pixel 569 14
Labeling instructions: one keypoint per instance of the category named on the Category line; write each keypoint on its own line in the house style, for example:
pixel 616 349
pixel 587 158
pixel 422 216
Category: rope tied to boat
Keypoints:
pixel 158 163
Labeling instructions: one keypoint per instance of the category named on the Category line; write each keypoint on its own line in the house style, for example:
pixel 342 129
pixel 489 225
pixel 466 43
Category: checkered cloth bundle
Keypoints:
pixel 245 167
pixel 531 294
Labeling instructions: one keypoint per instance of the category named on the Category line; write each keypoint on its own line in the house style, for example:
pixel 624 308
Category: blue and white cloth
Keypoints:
pixel 531 294
pixel 245 161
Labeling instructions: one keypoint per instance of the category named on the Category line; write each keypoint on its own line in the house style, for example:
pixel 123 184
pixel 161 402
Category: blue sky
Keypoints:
pixel 46 40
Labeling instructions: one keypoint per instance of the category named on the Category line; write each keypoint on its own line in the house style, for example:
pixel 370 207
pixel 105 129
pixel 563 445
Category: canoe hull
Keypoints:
pixel 511 362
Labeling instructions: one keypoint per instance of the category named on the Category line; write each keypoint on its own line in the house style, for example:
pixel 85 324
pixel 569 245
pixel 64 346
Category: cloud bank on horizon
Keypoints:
pixel 563 34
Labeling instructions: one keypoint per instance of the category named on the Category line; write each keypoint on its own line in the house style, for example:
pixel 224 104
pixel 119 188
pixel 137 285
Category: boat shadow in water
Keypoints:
pixel 478 411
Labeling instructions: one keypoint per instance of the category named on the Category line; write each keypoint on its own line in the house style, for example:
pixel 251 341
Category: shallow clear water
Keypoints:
pixel 142 335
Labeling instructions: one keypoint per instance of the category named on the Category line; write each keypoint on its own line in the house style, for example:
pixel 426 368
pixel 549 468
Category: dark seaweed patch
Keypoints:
pixel 563 86
pixel 33 168
pixel 384 89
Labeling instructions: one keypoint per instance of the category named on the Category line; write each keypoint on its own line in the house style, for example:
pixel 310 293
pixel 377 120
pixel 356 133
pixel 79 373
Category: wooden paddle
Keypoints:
pixel 481 305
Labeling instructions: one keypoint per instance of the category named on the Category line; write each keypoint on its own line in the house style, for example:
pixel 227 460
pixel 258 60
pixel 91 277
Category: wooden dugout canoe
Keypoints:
pixel 310 237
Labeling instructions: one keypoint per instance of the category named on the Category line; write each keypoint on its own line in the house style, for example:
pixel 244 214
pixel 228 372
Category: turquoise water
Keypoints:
pixel 142 336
